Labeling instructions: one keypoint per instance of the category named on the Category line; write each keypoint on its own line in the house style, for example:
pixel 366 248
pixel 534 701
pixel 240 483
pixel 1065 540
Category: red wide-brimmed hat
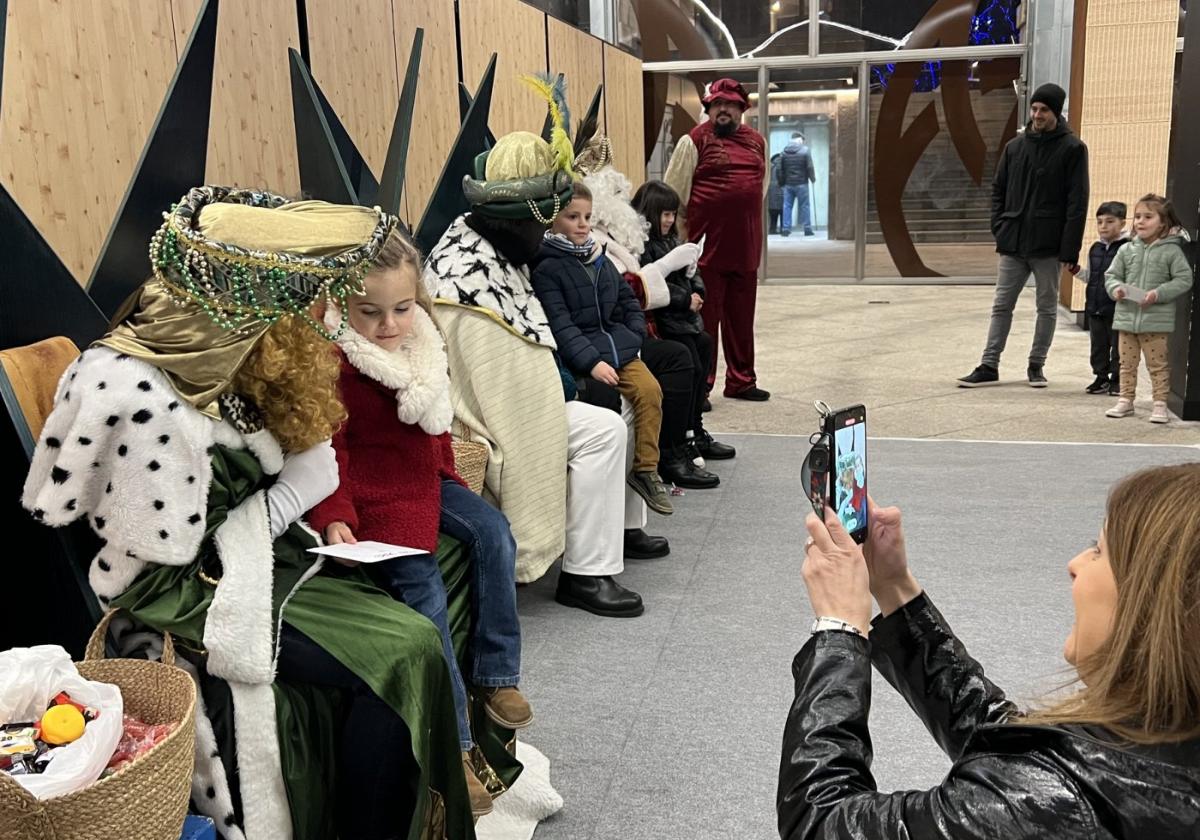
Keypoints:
pixel 729 89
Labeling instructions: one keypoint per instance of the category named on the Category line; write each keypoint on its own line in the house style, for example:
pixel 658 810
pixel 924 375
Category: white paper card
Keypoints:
pixel 1134 293
pixel 365 551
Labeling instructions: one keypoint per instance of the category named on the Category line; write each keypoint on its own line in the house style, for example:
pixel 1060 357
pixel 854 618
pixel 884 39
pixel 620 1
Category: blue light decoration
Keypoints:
pixel 994 22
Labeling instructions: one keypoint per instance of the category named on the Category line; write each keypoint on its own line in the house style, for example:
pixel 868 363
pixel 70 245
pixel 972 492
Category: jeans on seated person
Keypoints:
pixel 494 650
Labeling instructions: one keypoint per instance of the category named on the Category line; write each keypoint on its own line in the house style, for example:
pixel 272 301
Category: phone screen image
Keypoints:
pixel 850 472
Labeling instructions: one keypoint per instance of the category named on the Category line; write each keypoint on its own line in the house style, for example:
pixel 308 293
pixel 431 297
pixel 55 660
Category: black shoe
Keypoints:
pixel 710 448
pixel 785 233
pixel 641 546
pixel 707 405
pixel 1099 386
pixel 752 393
pixel 809 233
pixel 981 376
pixel 599 595
pixel 1037 379
pixel 674 466
pixel 1114 388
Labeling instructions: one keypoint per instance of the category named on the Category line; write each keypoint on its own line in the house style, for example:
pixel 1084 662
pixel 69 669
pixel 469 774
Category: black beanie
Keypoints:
pixel 1050 95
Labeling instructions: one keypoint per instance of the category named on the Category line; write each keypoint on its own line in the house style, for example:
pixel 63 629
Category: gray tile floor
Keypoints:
pixel 669 725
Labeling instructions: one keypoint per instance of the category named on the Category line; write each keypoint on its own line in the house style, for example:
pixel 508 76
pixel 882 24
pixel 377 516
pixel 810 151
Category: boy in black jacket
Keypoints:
pixel 599 327
pixel 1106 362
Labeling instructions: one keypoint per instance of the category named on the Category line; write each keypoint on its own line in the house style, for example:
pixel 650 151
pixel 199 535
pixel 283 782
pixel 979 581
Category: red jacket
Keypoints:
pixel 390 472
pixel 726 198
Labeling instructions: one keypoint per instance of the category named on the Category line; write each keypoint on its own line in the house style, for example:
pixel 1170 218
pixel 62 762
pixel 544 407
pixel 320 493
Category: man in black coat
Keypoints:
pixel 1039 208
pixel 795 173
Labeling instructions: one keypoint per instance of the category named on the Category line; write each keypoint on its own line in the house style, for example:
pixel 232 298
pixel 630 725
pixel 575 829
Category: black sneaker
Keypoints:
pixel 1114 388
pixel 1037 379
pixel 707 406
pixel 981 376
pixel 1099 386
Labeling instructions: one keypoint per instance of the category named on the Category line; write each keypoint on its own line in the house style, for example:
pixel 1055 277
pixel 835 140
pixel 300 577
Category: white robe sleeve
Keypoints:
pixel 680 171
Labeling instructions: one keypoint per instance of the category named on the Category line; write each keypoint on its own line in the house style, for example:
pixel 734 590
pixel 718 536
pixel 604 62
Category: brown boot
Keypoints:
pixel 481 800
pixel 507 706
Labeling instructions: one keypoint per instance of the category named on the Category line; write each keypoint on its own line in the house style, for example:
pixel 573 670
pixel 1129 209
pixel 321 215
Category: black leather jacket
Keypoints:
pixel 1008 780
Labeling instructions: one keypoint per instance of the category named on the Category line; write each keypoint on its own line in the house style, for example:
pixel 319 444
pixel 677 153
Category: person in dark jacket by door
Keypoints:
pixel 774 195
pixel 1117 759
pixel 1106 358
pixel 1039 209
pixel 796 173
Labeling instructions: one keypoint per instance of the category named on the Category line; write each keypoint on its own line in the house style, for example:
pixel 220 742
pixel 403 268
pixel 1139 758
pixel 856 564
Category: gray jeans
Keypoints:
pixel 1013 272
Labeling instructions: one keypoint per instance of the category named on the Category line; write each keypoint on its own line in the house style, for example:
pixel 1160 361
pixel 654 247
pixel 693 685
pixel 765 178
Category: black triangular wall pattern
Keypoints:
pixel 391 181
pixel 323 174
pixel 362 179
pixel 39 298
pixel 172 162
pixel 464 105
pixel 448 201
pixel 3 21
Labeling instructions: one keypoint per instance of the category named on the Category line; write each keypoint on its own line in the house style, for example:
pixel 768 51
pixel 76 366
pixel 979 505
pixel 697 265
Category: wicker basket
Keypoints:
pixel 145 800
pixel 470 458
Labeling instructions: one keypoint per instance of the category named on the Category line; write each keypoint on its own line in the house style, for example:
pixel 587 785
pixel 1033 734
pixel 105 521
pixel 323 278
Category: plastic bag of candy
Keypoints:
pixel 137 738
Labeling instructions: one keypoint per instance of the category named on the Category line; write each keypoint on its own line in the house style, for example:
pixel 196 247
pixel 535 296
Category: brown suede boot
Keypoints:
pixel 507 706
pixel 481 800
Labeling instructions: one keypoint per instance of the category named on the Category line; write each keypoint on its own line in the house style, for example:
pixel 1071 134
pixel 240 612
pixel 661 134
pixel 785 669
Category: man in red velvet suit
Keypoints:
pixel 718 170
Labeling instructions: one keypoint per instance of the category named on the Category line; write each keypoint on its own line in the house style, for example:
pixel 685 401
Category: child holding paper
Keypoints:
pixel 1146 277
pixel 398 484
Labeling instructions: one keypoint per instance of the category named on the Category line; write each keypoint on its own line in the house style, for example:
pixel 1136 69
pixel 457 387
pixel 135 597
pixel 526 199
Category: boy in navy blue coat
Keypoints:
pixel 1106 362
pixel 599 327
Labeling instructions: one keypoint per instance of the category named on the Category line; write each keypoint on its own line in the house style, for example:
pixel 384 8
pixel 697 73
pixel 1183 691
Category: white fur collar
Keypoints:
pixel 418 371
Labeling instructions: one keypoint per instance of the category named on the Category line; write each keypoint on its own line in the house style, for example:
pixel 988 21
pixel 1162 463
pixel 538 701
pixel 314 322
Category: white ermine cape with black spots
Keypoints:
pixel 122 450
pixel 464 269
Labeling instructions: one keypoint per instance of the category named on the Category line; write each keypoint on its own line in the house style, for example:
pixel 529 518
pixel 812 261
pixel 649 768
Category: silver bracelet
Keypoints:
pixel 825 622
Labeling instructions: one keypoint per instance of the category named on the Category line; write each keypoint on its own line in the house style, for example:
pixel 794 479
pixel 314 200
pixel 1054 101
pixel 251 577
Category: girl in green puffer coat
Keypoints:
pixel 1145 278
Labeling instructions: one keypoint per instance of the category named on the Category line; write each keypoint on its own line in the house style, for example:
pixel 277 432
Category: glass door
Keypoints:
pixel 813 134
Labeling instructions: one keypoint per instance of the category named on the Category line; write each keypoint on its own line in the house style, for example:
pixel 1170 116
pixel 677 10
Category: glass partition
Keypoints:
pixel 812 143
pixel 936 133
pixel 866 25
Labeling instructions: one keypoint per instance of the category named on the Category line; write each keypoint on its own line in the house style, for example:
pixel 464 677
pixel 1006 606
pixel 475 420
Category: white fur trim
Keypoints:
pixel 123 450
pixel 612 212
pixel 209 771
pixel 265 813
pixel 417 371
pixel 238 632
pixel 658 294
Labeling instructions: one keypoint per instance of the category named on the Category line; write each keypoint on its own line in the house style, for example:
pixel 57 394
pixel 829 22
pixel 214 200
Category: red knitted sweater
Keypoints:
pixel 390 472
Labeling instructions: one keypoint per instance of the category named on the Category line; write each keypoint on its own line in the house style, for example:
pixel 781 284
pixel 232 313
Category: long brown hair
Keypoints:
pixel 291 376
pixel 1143 683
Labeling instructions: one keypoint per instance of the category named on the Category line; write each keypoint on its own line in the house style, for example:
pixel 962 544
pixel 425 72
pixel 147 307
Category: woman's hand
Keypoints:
pixel 696 303
pixel 1119 293
pixel 604 372
pixel 892 583
pixel 835 573
pixel 1151 298
pixel 339 532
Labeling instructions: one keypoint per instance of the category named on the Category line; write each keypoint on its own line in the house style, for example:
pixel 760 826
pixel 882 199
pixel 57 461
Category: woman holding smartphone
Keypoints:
pixel 1118 758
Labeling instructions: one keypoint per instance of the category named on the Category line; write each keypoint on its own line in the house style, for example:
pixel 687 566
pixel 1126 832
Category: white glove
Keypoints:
pixel 307 478
pixel 683 256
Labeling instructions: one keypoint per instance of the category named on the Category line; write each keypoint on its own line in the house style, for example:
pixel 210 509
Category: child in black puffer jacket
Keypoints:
pixel 680 320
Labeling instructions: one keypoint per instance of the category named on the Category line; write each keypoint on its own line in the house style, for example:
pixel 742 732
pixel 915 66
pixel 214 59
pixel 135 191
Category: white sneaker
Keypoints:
pixel 1159 414
pixel 1123 408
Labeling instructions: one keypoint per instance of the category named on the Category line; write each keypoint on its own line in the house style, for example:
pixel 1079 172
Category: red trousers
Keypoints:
pixel 729 318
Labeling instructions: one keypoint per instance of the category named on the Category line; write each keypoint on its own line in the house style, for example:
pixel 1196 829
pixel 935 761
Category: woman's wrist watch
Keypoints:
pixel 825 622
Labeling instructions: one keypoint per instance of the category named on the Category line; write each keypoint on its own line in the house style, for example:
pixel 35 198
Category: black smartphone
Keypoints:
pixel 847 431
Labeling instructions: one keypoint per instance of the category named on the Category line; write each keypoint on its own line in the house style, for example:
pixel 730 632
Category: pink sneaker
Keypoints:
pixel 1159 414
pixel 1123 408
